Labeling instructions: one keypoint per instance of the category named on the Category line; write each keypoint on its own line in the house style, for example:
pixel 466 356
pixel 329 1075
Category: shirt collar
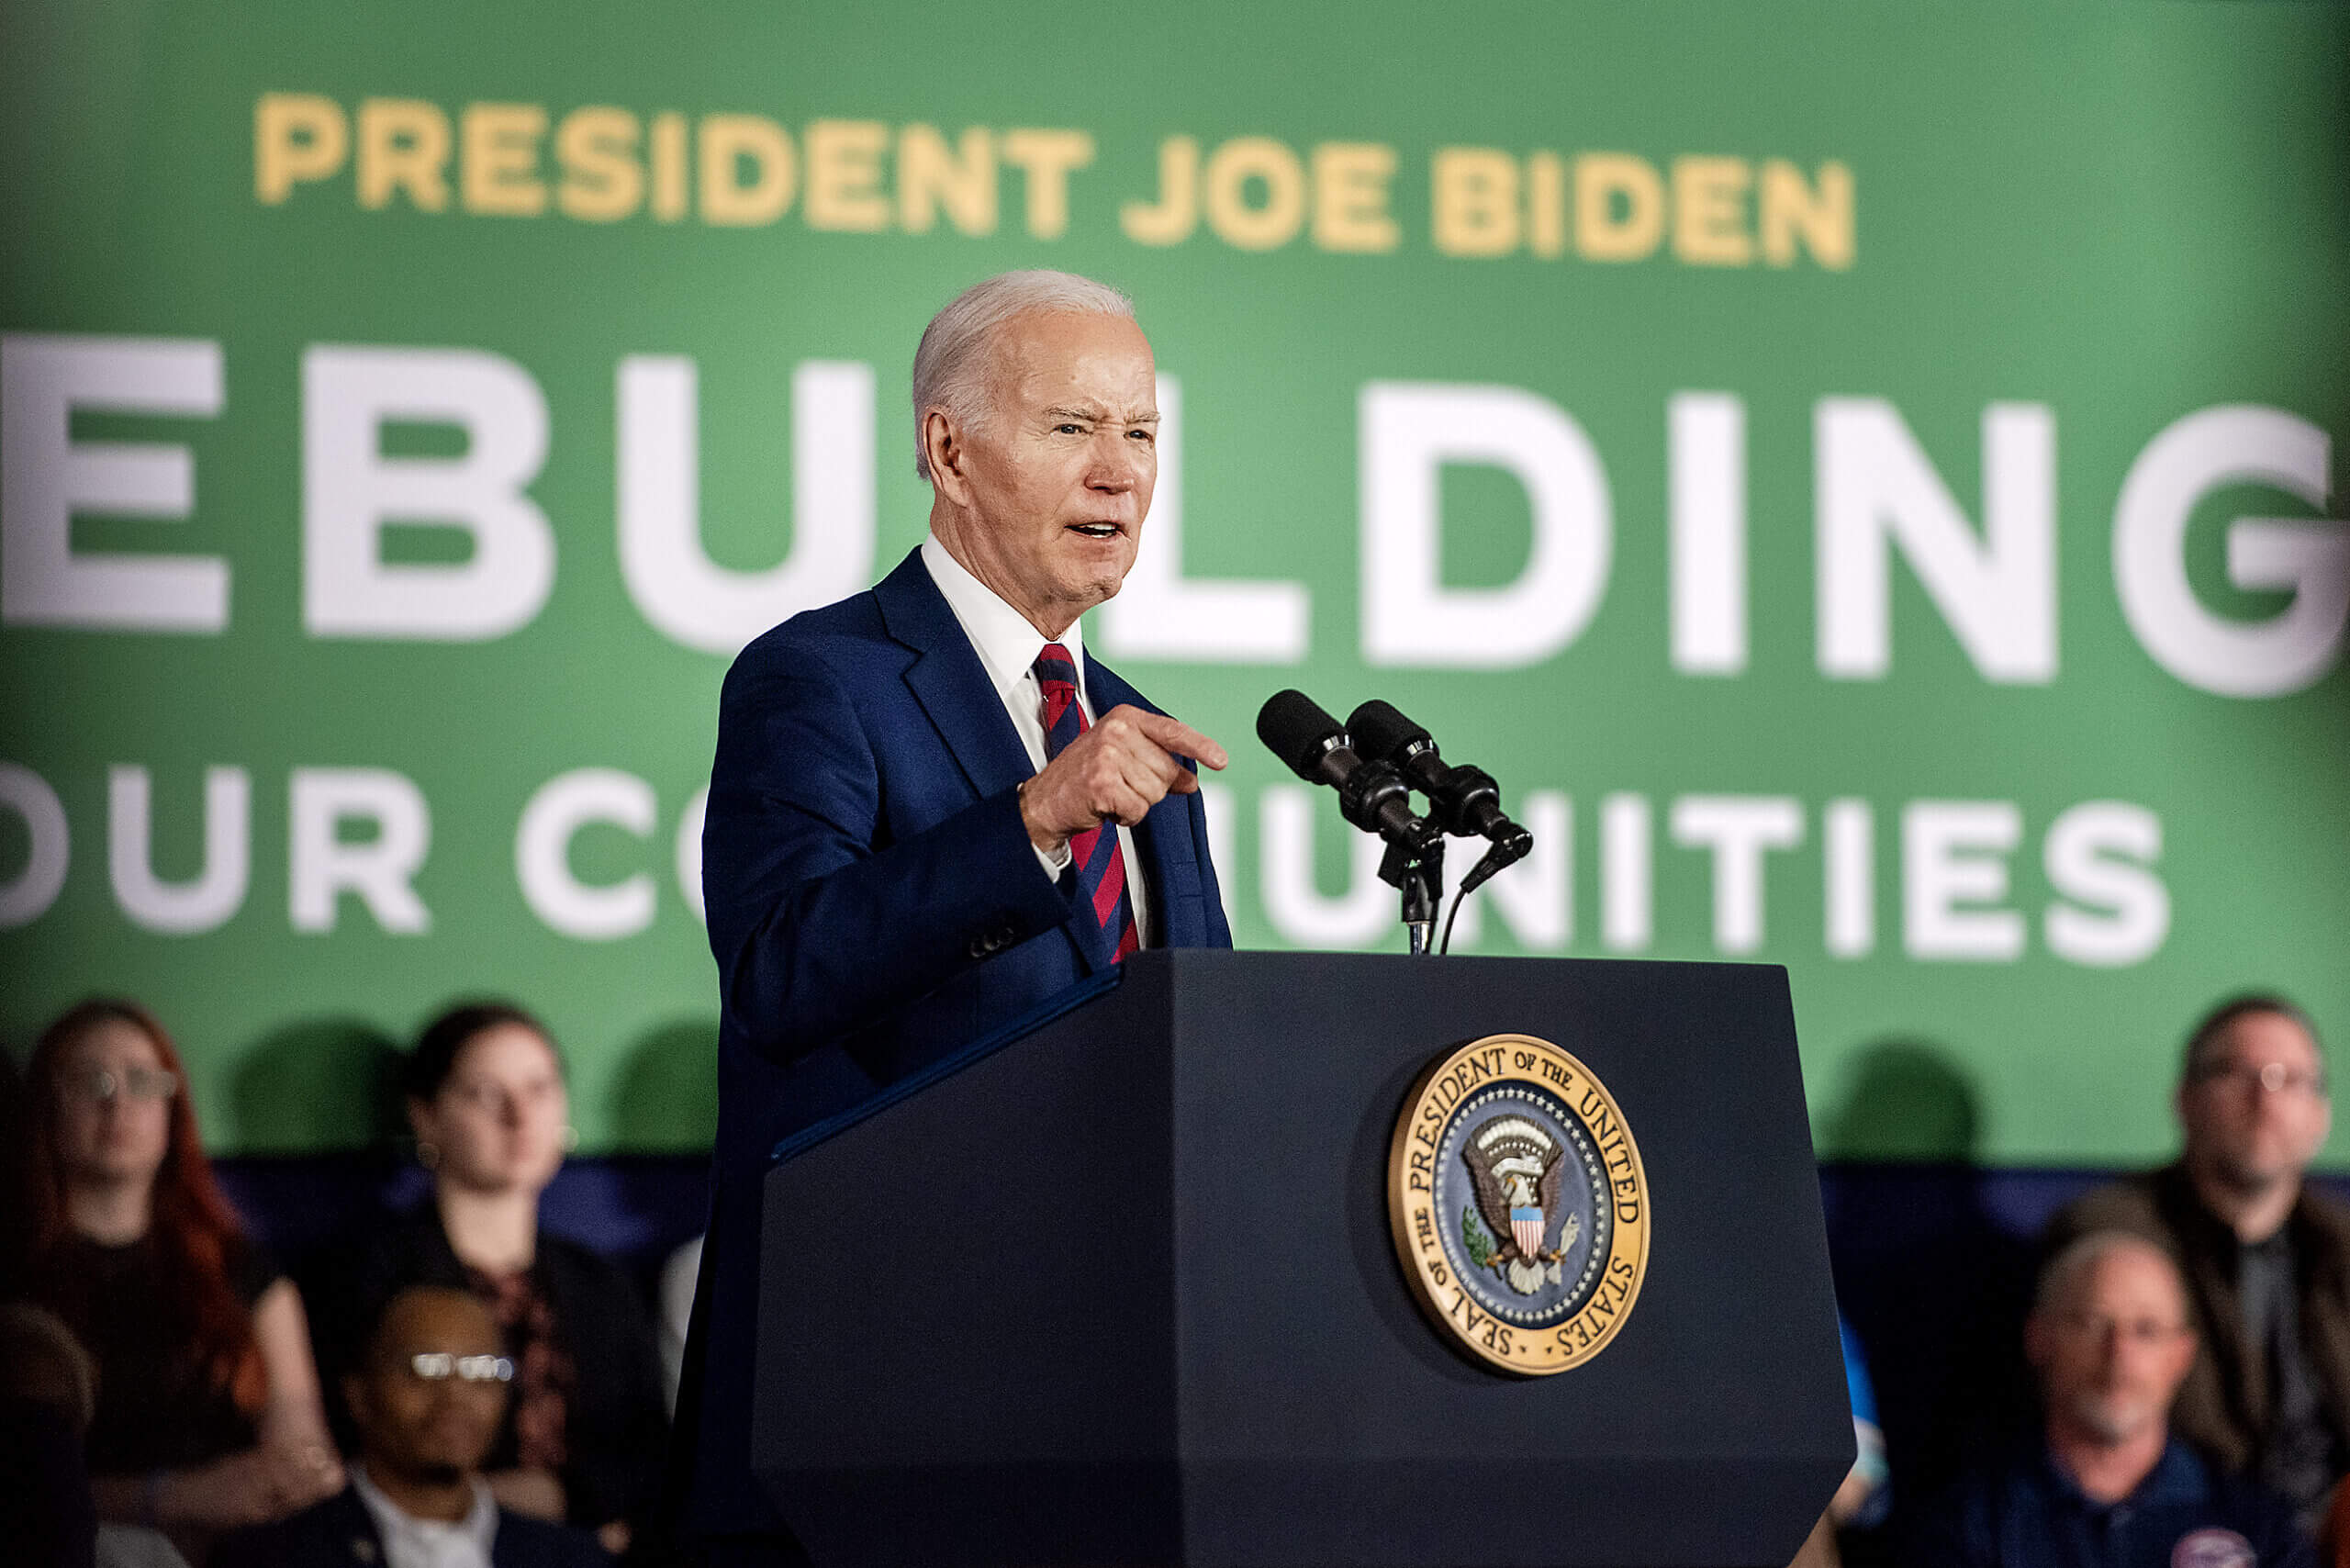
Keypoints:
pixel 2177 1477
pixel 394 1523
pixel 2205 1232
pixel 1007 644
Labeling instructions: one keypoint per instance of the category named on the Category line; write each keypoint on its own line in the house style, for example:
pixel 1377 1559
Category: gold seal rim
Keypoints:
pixel 1633 1238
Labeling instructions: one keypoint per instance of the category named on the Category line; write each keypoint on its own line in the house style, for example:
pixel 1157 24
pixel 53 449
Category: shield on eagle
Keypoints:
pixel 1514 1161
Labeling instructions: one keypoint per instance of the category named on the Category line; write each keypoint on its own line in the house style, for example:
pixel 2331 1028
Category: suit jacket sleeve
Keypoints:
pixel 822 924
pixel 1211 890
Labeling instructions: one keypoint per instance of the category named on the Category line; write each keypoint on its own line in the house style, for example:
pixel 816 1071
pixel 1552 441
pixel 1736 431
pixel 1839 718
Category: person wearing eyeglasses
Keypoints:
pixel 2266 1254
pixel 426 1401
pixel 2108 1483
pixel 587 1426
pixel 208 1415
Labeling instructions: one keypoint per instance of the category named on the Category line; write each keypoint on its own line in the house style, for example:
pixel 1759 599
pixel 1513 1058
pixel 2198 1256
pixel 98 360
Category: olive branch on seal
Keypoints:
pixel 1475 1236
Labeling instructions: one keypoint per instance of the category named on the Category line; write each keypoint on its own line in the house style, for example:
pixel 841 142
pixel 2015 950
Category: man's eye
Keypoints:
pixel 1143 435
pixel 1067 430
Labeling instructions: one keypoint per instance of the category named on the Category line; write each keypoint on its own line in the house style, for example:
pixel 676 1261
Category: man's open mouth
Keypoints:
pixel 1098 530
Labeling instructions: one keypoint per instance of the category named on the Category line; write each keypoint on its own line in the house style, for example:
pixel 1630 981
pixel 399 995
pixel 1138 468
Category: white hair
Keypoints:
pixel 950 366
pixel 2069 1270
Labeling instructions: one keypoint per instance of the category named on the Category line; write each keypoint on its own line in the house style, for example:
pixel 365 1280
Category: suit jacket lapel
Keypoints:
pixel 1164 838
pixel 346 1520
pixel 947 679
pixel 950 682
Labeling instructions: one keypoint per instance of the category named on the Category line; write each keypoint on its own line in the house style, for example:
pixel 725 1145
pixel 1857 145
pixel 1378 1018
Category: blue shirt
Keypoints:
pixel 2029 1513
pixel 1868 1439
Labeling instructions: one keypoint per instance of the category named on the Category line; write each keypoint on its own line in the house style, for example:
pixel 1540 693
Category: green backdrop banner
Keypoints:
pixel 1859 475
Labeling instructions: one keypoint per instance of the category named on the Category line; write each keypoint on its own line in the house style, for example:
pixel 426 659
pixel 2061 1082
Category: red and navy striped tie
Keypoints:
pixel 1101 869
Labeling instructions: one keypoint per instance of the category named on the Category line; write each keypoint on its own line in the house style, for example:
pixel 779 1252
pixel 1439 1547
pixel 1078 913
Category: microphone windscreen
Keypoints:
pixel 1380 732
pixel 1294 728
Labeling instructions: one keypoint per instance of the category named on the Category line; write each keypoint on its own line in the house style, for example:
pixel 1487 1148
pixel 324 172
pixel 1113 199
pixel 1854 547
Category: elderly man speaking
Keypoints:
pixel 930 808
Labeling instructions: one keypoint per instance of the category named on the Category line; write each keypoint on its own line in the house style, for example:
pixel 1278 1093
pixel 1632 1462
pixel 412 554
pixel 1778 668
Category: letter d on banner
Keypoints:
pixel 1408 431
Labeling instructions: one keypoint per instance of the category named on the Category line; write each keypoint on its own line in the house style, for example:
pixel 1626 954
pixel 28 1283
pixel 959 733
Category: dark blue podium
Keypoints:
pixel 1118 1287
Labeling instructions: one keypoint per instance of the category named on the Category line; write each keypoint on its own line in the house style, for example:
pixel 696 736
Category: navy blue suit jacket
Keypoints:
pixel 874 904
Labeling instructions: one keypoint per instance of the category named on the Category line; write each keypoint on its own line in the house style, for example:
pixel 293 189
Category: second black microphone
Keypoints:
pixel 1371 794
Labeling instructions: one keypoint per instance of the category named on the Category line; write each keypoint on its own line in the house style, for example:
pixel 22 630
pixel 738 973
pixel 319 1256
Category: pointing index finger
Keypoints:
pixel 1183 740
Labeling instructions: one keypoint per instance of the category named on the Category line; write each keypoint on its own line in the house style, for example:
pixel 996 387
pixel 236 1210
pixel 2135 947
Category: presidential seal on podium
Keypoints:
pixel 1520 1207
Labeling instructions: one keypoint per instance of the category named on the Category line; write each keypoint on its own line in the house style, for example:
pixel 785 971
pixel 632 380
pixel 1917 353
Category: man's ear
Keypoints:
pixel 944 450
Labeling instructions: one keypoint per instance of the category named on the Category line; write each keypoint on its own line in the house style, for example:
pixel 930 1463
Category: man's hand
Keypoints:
pixel 1115 771
pixel 537 1493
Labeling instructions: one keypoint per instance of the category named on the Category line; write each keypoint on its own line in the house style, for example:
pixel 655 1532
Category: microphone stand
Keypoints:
pixel 1418 873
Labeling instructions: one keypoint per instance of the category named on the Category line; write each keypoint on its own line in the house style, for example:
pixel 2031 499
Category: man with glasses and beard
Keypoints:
pixel 426 1401
pixel 2108 1484
pixel 2265 1256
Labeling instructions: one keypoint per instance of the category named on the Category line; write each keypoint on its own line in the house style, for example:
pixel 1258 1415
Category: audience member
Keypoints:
pixel 2267 1257
pixel 1865 1496
pixel 426 1400
pixel 47 1394
pixel 2107 1486
pixel 673 1299
pixel 208 1415
pixel 582 1439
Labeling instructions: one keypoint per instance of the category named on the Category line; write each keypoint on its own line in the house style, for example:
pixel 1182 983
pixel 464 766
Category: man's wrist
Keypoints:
pixel 1052 847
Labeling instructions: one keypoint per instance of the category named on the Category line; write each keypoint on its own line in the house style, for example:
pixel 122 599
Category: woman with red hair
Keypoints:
pixel 209 1414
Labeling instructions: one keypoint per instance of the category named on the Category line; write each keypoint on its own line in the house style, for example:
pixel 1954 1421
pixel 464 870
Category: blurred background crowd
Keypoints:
pixel 449 1377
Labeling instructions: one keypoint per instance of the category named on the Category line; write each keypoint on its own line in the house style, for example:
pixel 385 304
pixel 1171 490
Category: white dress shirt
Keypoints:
pixel 1008 647
pixel 411 1542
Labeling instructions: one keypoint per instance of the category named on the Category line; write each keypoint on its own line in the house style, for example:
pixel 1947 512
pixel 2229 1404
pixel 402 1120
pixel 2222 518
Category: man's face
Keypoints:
pixel 2256 1110
pixel 2111 1351
pixel 425 1428
pixel 1053 485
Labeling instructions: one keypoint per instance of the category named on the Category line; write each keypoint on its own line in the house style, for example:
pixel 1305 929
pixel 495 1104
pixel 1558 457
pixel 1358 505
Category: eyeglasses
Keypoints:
pixel 2274 1076
pixel 2140 1331
pixel 439 1366
pixel 100 1084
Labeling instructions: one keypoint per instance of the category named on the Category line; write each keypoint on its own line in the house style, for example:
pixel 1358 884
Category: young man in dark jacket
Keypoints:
pixel 426 1401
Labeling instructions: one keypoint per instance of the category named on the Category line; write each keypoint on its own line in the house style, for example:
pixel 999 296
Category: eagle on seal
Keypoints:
pixel 1518 1174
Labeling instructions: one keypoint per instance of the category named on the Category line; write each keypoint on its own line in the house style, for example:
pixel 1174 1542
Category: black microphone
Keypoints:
pixel 1464 802
pixel 1372 795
